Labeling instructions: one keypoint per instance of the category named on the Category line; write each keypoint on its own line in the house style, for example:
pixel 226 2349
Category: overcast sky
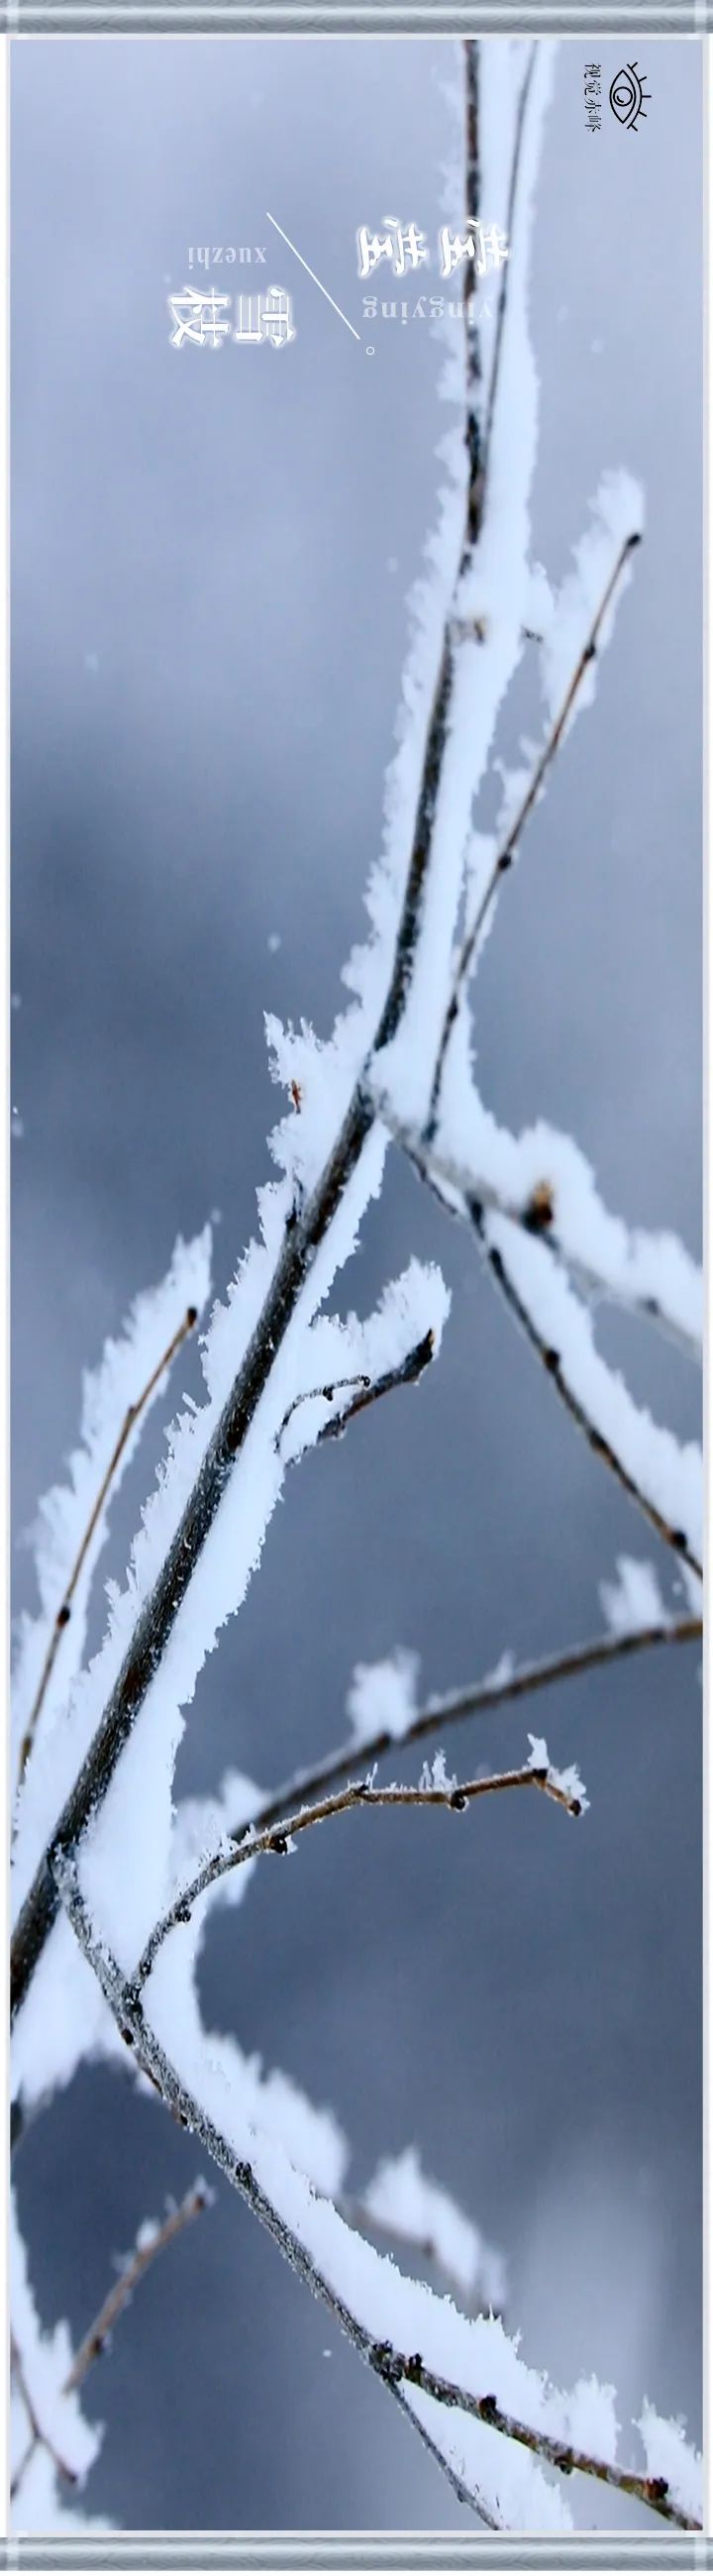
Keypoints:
pixel 211 559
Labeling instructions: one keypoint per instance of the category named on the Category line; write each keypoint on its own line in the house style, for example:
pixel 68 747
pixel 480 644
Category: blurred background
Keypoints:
pixel 211 562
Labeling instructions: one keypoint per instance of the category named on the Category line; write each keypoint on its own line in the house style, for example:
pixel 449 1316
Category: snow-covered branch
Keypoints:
pixel 506 851
pixel 542 1181
pixel 71 1528
pixel 494 2460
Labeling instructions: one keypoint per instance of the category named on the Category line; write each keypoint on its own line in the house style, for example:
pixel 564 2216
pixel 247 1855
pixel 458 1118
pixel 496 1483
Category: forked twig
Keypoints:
pixel 117 2298
pixel 37 2434
pixel 358 1793
pixel 368 1390
pixel 64 1612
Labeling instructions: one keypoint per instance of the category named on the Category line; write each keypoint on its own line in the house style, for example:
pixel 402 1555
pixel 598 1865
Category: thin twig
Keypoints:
pixel 37 2433
pixel 117 2298
pixel 475 1700
pixel 358 1793
pixel 368 1390
pixel 95 2341
pixel 405 1373
pixel 311 1395
pixel 64 1612
pixel 508 847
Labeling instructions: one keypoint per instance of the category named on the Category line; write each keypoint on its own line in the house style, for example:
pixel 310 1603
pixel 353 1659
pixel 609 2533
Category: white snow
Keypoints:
pixel 434 1775
pixel 617 513
pixel 382 1696
pixel 401 2197
pixel 108 1391
pixel 669 2455
pixel 569 1781
pixel 634 1600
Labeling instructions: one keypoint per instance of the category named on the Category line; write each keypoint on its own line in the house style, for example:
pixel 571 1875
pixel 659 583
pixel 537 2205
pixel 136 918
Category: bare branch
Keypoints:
pixel 64 1612
pixel 508 848
pixel 358 1793
pixel 95 2340
pixel 145 2252
pixel 406 1373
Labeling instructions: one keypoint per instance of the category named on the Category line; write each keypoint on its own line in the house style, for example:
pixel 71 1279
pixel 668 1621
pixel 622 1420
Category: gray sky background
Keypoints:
pixel 210 560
